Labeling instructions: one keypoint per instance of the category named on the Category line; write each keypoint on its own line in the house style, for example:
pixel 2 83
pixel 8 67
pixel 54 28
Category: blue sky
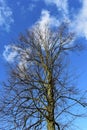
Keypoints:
pixel 18 15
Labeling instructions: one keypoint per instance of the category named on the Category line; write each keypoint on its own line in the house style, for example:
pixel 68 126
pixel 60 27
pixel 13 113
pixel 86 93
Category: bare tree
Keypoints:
pixel 41 91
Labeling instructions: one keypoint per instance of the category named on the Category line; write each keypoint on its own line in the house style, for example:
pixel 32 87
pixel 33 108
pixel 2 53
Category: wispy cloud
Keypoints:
pixel 79 21
pixel 12 52
pixel 46 19
pixel 61 5
pixel 6 18
pixel 9 53
pixel 31 7
pixel 79 24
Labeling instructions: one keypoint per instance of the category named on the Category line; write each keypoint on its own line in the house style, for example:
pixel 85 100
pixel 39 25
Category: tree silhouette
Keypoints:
pixel 41 92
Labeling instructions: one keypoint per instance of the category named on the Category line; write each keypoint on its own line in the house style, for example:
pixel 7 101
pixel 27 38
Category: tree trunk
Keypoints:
pixel 50 107
pixel 50 120
pixel 50 125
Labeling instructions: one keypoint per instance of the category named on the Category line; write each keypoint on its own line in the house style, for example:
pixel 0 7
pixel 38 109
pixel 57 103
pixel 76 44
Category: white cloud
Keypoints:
pixel 79 24
pixel 9 53
pixel 61 4
pixel 43 24
pixel 13 52
pixel 47 19
pixel 78 21
pixel 5 16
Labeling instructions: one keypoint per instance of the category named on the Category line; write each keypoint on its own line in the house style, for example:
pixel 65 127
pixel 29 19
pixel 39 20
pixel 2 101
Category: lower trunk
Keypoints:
pixel 50 120
pixel 50 125
pixel 50 100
